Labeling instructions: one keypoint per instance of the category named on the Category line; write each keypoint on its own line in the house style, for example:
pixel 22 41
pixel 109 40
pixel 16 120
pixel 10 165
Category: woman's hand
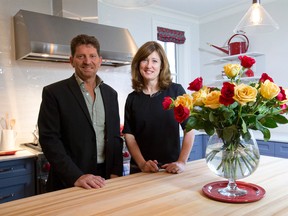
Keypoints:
pixel 175 167
pixel 149 166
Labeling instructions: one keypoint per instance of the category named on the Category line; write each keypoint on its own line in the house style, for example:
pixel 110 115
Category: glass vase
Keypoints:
pixel 234 159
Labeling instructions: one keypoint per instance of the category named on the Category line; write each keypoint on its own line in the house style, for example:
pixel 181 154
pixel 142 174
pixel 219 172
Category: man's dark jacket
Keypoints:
pixel 67 137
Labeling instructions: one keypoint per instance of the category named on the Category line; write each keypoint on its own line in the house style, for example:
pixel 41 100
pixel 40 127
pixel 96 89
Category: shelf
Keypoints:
pixel 242 79
pixel 235 57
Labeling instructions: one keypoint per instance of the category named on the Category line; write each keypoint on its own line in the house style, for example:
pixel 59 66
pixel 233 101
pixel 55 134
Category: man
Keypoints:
pixel 79 124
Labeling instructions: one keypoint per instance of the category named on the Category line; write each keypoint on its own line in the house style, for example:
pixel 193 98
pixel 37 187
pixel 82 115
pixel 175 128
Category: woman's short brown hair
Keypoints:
pixel 143 52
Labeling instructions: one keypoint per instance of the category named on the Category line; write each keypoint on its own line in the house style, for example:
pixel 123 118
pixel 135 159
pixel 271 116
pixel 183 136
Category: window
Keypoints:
pixel 178 48
pixel 170 40
pixel 171 50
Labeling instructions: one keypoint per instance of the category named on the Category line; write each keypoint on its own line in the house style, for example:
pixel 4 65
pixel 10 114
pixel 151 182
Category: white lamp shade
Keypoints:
pixel 256 20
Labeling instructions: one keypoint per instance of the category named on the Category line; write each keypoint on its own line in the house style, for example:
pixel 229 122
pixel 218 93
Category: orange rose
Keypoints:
pixel 232 70
pixel 269 89
pixel 199 96
pixel 244 94
pixel 185 100
pixel 212 100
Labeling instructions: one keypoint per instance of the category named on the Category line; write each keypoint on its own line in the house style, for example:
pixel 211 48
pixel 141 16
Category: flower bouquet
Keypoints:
pixel 231 113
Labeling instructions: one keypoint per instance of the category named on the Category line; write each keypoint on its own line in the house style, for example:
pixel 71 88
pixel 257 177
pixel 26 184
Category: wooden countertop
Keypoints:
pixel 161 194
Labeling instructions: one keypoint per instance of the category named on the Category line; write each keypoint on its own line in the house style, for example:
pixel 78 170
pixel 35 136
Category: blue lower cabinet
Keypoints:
pixel 272 148
pixel 17 179
pixel 199 147
pixel 266 148
pixel 281 150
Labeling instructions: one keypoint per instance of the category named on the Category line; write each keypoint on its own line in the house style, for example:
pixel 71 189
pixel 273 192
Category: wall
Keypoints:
pixel 273 45
pixel 21 82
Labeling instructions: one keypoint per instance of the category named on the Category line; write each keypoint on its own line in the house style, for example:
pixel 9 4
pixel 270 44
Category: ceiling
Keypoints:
pixel 194 8
pixel 200 8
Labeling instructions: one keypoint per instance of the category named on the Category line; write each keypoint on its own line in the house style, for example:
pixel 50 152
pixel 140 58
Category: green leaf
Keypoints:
pixel 192 124
pixel 209 128
pixel 265 131
pixel 268 122
pixel 280 119
pixel 244 126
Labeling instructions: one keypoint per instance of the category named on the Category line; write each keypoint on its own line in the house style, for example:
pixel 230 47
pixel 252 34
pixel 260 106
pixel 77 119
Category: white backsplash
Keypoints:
pixel 21 84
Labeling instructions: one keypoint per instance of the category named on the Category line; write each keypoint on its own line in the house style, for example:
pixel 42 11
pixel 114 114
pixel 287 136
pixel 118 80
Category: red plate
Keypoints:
pixel 10 152
pixel 254 192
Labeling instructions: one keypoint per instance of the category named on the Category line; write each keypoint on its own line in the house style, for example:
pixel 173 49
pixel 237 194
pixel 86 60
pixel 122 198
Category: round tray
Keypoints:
pixel 254 192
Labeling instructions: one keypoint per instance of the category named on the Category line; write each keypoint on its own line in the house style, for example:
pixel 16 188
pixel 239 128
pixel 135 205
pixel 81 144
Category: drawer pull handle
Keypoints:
pixel 6 170
pixel 7 196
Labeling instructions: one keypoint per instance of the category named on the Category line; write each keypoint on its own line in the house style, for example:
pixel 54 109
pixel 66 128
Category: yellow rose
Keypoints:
pixel 232 70
pixel 212 100
pixel 244 94
pixel 269 89
pixel 185 100
pixel 199 96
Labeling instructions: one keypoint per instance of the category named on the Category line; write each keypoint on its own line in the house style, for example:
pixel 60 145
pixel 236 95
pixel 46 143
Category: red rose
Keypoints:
pixel 249 73
pixel 246 61
pixel 264 77
pixel 181 113
pixel 196 85
pixel 281 96
pixel 283 108
pixel 227 93
pixel 167 103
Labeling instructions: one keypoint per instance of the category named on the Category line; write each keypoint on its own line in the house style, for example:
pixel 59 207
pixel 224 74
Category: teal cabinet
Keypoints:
pixel 17 179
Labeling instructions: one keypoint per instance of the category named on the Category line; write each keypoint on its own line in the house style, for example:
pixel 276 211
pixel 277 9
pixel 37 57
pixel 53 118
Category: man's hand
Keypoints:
pixel 89 181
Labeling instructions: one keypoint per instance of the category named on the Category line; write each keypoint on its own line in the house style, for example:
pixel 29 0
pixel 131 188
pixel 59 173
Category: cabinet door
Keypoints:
pixel 196 152
pixel 281 149
pixel 16 188
pixel 266 148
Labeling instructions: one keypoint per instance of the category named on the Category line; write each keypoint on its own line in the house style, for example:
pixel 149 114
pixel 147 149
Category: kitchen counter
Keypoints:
pixel 22 153
pixel 161 194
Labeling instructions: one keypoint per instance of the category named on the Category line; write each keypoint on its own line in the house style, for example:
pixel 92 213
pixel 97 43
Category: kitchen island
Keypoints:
pixel 162 194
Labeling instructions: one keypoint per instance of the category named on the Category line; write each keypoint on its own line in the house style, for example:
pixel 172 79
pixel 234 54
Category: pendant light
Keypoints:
pixel 256 20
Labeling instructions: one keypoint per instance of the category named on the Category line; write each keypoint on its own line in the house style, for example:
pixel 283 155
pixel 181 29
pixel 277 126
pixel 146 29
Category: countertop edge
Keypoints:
pixel 21 154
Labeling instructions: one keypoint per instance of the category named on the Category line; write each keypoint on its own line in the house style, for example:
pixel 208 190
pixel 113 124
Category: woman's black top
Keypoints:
pixel 155 129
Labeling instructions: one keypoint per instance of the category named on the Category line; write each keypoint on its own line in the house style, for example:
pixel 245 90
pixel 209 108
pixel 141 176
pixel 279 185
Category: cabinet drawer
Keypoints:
pixel 18 167
pixel 16 188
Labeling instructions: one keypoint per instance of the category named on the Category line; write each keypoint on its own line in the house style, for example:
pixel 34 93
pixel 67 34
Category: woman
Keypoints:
pixel 151 133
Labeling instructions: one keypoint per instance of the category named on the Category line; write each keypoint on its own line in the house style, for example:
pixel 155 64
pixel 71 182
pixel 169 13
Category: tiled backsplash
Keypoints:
pixel 21 84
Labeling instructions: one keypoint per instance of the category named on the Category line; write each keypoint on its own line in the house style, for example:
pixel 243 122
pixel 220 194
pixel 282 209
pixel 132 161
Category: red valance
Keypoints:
pixel 170 35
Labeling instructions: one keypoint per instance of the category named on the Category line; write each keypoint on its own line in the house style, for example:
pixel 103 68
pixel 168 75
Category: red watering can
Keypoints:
pixel 235 48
